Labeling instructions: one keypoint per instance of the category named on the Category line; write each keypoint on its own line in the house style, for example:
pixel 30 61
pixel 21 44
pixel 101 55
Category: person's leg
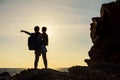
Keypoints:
pixel 45 60
pixel 36 61
pixel 37 54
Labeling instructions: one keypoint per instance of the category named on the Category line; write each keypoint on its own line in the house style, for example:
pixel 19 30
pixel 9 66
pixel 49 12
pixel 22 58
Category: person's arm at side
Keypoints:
pixel 46 39
pixel 26 32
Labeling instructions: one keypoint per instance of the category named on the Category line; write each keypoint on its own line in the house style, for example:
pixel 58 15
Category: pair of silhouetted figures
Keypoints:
pixel 38 42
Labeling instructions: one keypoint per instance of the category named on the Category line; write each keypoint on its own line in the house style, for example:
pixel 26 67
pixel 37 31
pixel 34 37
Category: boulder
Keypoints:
pixel 41 74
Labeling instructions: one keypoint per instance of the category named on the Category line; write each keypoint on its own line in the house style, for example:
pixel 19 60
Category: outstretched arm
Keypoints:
pixel 26 32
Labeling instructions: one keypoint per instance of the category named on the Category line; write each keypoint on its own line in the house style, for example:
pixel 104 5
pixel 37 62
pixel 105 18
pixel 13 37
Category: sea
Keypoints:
pixel 13 71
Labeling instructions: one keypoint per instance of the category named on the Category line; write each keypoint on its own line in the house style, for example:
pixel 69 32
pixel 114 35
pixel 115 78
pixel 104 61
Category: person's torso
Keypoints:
pixel 44 39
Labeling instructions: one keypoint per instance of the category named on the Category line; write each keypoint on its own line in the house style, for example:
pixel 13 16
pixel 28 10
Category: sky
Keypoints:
pixel 68 24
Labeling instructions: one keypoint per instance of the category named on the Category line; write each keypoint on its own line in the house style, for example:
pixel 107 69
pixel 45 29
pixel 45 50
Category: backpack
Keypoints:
pixel 34 41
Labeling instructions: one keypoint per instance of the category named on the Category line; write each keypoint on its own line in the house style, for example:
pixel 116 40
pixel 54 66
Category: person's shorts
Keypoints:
pixel 38 52
pixel 43 48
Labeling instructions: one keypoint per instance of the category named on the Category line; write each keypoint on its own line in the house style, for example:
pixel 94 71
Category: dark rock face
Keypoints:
pixel 78 70
pixel 5 76
pixel 75 73
pixel 104 62
pixel 41 74
pixel 105 34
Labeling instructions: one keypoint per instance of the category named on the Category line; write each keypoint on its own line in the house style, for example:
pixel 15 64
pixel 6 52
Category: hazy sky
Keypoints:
pixel 68 29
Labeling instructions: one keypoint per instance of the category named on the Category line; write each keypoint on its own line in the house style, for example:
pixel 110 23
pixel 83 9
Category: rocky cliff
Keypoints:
pixel 105 34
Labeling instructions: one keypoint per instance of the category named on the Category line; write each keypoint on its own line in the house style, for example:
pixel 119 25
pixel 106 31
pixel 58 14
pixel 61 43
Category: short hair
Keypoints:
pixel 44 28
pixel 36 28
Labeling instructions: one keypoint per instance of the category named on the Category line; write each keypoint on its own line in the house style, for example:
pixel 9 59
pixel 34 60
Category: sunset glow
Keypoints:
pixel 68 29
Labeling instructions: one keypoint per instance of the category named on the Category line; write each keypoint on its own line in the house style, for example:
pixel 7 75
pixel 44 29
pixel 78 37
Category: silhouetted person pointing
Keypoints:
pixel 37 42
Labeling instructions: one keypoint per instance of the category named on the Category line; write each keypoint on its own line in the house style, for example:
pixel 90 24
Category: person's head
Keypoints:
pixel 36 29
pixel 44 29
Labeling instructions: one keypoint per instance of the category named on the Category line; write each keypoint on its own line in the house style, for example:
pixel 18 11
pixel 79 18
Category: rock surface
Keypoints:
pixel 74 73
pixel 5 76
pixel 105 33
pixel 105 53
pixel 43 74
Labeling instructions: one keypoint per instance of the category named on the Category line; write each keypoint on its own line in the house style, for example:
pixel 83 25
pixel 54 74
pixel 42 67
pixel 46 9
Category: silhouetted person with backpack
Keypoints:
pixel 35 42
